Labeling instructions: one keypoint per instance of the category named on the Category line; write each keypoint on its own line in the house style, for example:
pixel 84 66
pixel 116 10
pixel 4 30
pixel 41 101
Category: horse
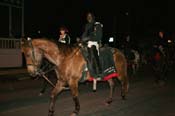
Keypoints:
pixel 69 63
pixel 136 61
pixel 158 61
pixel 133 60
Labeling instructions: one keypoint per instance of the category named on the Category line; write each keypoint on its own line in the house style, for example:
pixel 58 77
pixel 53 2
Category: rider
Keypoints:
pixel 64 37
pixel 161 42
pixel 93 36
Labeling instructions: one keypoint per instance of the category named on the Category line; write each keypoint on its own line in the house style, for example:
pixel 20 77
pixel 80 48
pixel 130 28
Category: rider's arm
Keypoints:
pixel 67 39
pixel 85 33
pixel 99 32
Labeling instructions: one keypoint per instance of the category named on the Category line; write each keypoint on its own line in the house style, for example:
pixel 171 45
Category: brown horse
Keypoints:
pixel 69 63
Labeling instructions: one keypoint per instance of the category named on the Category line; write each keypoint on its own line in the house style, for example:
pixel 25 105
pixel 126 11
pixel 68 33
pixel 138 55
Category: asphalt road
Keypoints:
pixel 145 98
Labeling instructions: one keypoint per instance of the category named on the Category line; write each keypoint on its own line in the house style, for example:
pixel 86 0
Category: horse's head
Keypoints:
pixel 33 56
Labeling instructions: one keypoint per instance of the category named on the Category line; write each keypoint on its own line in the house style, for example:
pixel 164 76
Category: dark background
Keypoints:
pixel 144 17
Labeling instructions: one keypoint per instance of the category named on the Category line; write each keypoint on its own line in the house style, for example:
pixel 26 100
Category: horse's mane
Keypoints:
pixel 65 49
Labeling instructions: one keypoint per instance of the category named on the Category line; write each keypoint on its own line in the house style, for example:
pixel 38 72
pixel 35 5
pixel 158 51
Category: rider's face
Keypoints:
pixel 89 17
pixel 161 34
pixel 62 32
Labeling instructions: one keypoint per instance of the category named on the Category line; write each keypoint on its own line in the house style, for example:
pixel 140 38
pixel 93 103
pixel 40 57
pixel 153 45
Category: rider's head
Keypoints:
pixel 63 30
pixel 90 17
pixel 161 33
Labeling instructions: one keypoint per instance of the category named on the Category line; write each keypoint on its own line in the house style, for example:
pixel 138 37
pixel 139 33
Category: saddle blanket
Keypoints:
pixel 107 65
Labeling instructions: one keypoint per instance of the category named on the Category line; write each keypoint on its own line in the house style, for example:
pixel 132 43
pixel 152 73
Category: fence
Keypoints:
pixel 10 53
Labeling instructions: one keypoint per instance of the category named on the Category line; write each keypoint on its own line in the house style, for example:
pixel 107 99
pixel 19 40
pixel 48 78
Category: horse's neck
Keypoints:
pixel 53 55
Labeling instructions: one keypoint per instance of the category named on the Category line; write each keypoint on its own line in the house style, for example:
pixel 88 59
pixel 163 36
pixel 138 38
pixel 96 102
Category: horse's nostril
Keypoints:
pixel 33 74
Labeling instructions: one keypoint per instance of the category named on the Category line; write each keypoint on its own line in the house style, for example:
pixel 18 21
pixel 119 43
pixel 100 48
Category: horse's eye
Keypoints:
pixel 27 55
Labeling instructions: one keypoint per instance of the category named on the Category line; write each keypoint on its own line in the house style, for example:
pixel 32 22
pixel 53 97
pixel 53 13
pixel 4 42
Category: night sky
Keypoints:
pixel 48 15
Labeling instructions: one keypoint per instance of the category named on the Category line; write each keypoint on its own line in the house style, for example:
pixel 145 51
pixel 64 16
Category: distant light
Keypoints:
pixel 126 13
pixel 39 31
pixel 28 38
pixel 169 41
pixel 128 38
pixel 111 39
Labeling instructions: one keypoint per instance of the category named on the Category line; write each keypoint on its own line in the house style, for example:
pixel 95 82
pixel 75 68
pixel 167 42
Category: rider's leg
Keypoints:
pixel 97 61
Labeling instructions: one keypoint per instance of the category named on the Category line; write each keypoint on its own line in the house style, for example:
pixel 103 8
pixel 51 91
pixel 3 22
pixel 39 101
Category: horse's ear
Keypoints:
pixel 23 41
pixel 26 42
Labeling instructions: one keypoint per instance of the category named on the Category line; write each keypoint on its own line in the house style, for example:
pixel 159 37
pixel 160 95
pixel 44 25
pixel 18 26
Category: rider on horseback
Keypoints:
pixel 161 42
pixel 93 35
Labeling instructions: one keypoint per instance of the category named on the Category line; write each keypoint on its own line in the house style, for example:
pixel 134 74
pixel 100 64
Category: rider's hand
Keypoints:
pixel 78 39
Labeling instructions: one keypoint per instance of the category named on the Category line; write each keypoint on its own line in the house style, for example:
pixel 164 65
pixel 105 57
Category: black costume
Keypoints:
pixel 93 32
pixel 65 40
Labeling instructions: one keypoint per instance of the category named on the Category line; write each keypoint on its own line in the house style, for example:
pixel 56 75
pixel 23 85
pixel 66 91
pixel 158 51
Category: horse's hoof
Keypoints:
pixel 51 113
pixel 123 97
pixel 108 102
pixel 94 91
pixel 74 114
pixel 40 94
pixel 162 83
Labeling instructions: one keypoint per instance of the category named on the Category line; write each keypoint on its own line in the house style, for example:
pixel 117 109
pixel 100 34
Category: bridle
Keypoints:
pixel 34 64
pixel 39 71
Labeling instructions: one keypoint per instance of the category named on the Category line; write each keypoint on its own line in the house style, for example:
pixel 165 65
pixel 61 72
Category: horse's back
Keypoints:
pixel 120 57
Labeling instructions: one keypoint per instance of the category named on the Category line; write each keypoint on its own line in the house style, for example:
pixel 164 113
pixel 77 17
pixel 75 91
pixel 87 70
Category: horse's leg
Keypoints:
pixel 74 90
pixel 94 85
pixel 163 74
pixel 124 90
pixel 133 68
pixel 111 85
pixel 59 87
pixel 43 88
pixel 124 82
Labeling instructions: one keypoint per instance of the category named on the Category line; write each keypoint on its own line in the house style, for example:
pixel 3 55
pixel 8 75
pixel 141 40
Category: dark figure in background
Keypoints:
pixel 161 42
pixel 159 57
pixel 93 35
pixel 64 36
pixel 159 64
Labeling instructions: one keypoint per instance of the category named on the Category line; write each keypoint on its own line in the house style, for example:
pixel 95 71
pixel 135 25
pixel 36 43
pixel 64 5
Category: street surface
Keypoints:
pixel 145 98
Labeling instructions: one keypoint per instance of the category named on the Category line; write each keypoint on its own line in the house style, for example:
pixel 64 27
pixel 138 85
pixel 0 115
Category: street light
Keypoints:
pixel 127 13
pixel 111 39
pixel 169 41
